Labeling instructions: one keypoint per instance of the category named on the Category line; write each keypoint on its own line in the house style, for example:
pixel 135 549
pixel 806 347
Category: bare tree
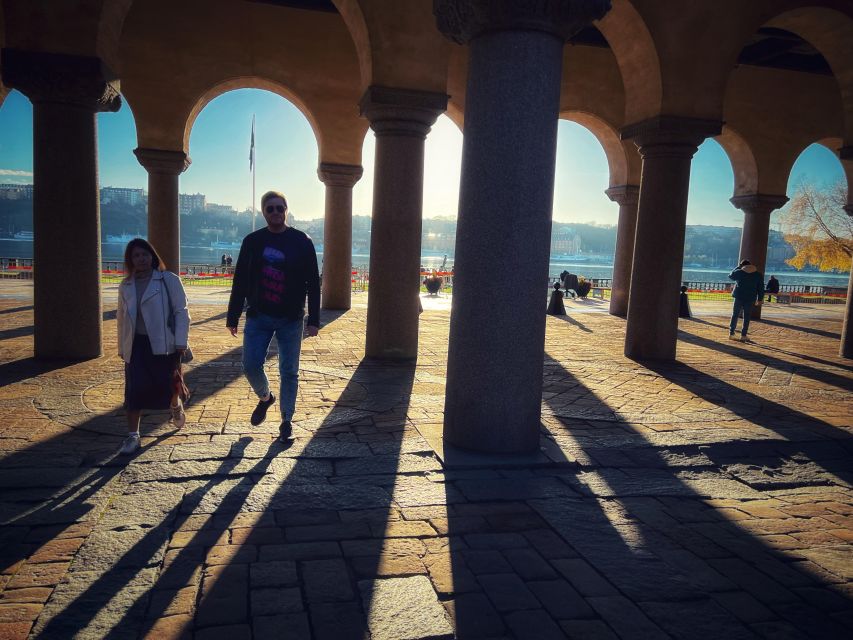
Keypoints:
pixel 818 228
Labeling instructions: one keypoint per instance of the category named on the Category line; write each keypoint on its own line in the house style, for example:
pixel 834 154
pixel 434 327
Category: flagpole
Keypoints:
pixel 252 166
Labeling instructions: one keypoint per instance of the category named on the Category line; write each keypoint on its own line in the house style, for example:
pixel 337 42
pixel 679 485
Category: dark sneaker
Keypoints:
pixel 260 412
pixel 285 430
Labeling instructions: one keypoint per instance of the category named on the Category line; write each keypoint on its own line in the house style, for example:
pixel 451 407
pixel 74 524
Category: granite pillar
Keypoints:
pixel 846 349
pixel 337 233
pixel 627 196
pixel 756 228
pixel 66 92
pixel 164 220
pixel 400 119
pixel 494 370
pixel 666 145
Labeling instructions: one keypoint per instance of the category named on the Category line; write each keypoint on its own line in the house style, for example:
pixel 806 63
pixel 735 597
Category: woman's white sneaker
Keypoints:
pixel 130 445
pixel 179 418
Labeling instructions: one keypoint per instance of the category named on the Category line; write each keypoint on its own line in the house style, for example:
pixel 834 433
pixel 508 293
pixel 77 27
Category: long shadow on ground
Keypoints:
pixel 303 510
pixel 638 514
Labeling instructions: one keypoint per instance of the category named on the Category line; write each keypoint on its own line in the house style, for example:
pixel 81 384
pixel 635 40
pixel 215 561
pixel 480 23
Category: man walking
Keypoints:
pixel 276 269
pixel 749 290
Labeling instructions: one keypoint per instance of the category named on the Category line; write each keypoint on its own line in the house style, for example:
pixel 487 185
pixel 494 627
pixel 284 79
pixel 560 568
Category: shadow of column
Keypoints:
pixel 644 548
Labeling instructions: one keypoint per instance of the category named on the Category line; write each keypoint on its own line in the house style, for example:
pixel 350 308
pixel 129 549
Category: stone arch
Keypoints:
pixel 249 82
pixel 397 48
pixel 353 17
pixel 632 45
pixel 740 154
pixel 828 30
pixel 623 160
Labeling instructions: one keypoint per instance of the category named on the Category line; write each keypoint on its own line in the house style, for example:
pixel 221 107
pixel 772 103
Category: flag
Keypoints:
pixel 252 146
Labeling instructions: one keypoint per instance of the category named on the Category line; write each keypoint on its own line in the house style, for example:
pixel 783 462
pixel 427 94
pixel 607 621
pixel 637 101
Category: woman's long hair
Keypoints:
pixel 156 261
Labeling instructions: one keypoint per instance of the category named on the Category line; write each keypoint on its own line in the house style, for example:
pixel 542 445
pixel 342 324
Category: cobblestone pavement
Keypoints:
pixel 707 498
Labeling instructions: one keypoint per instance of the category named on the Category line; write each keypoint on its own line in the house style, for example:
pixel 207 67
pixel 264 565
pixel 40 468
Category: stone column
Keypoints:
pixel 756 227
pixel 164 220
pixel 627 197
pixel 846 350
pixel 337 233
pixel 494 373
pixel 66 92
pixel 401 119
pixel 666 145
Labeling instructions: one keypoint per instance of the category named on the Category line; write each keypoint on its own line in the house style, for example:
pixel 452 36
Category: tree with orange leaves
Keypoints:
pixel 818 229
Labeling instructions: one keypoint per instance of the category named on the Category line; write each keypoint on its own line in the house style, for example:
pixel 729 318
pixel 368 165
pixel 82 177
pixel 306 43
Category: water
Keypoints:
pixel 206 255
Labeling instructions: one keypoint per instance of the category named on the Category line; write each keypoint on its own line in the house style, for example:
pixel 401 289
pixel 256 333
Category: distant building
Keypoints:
pixel 190 202
pixel 213 207
pixel 565 241
pixel 122 195
pixel 16 192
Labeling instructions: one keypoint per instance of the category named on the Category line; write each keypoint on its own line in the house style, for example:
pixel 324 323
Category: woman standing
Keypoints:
pixel 153 330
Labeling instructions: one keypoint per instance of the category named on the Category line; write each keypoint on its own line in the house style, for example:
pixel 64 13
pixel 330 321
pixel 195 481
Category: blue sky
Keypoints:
pixel 286 153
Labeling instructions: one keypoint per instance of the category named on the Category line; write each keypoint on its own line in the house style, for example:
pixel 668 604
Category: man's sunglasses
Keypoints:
pixel 274 207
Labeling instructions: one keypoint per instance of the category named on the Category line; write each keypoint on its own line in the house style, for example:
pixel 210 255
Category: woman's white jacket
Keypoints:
pixel 155 312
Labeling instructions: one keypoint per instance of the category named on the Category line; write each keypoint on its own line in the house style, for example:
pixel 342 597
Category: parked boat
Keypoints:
pixel 23 236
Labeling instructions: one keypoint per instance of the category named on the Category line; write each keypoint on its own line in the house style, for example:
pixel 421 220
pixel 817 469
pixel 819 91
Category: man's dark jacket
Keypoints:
pixel 749 284
pixel 301 274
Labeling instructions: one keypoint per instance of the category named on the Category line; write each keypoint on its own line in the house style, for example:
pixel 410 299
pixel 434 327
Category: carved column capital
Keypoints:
pixel 758 203
pixel 57 78
pixel 401 112
pixel 339 175
pixel 671 136
pixel 163 161
pixel 463 20
pixel 626 194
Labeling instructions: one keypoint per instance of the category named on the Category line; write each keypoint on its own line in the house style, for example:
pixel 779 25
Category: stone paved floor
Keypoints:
pixel 708 498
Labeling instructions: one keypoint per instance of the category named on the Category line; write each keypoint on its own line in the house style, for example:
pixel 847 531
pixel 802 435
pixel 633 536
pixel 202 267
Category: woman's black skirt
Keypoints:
pixel 147 378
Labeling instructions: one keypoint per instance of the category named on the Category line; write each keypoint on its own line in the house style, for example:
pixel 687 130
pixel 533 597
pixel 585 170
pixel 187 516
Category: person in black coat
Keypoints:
pixel 772 287
pixel 556 306
pixel 684 304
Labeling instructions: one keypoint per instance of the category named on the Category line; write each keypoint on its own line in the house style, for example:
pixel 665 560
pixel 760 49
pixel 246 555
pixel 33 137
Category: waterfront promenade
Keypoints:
pixel 706 498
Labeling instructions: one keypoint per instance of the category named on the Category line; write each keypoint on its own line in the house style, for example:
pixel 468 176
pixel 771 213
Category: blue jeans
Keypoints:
pixel 740 307
pixel 257 336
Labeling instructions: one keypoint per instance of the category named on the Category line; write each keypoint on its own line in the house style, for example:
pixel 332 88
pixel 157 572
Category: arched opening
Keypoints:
pixel 814 224
pixel 216 190
pixel 16 177
pixel 122 180
pixel 442 171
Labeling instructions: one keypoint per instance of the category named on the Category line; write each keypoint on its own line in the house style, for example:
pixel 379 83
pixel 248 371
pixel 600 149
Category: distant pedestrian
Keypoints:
pixel 229 260
pixel 748 291
pixel 556 306
pixel 684 304
pixel 224 260
pixel 772 288
pixel 153 331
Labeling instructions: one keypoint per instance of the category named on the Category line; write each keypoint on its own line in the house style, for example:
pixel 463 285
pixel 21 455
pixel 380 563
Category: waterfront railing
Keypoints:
pixel 213 275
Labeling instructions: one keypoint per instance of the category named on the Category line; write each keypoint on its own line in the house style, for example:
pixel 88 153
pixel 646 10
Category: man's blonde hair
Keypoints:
pixel 269 195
